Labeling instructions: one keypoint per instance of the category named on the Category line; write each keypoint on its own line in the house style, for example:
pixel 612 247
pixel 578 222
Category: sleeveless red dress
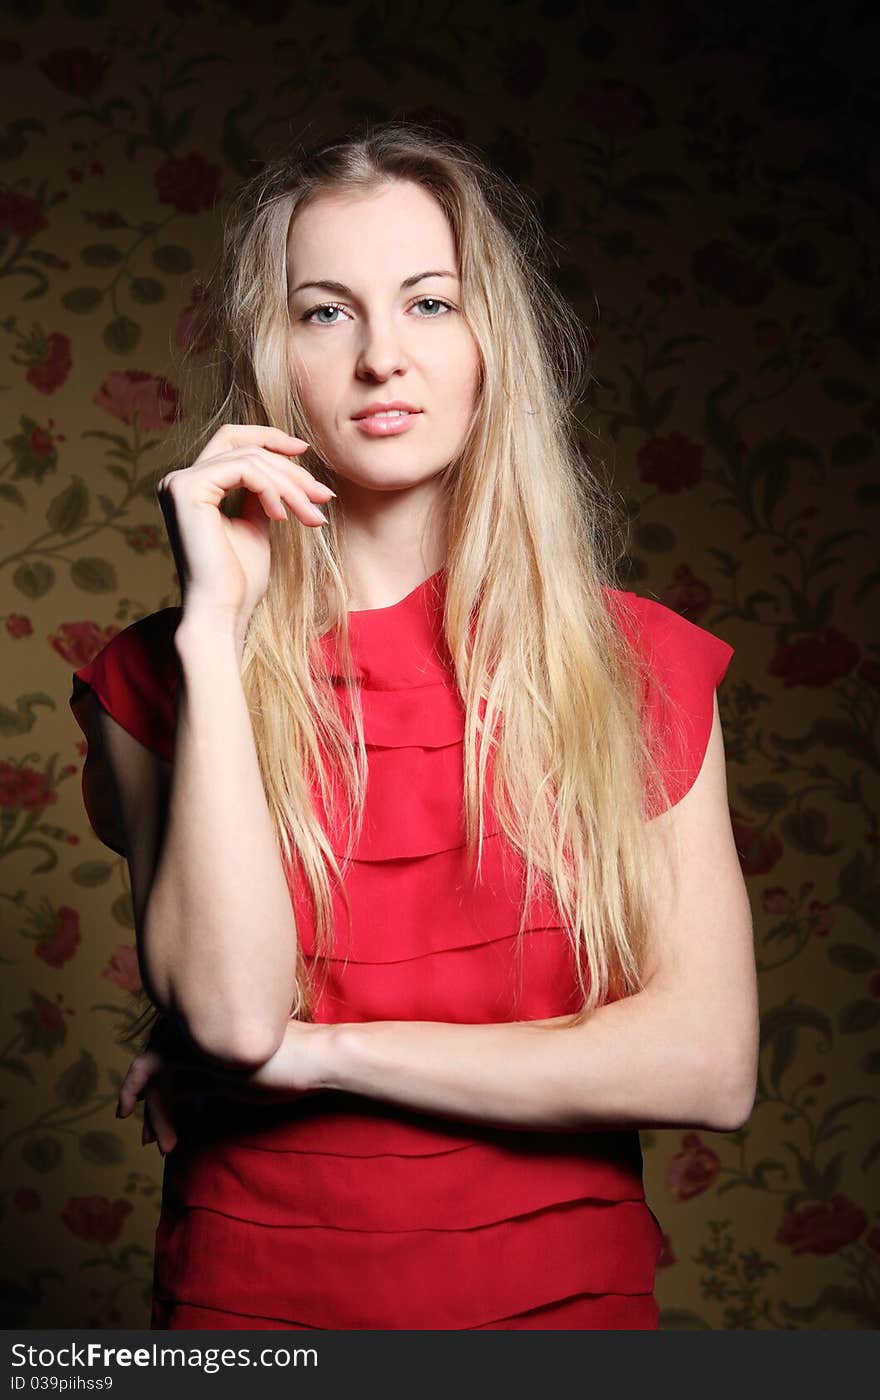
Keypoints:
pixel 343 1212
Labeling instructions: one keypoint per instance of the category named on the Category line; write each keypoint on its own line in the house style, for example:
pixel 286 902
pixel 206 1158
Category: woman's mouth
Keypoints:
pixel 388 423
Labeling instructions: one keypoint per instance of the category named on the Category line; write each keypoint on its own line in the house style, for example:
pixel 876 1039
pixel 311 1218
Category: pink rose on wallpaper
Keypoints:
pixel 123 968
pixel 143 539
pixel 776 900
pixel 129 392
pixel 758 851
pixel 667 1256
pixel 50 363
pixel 674 31
pixel 41 442
pixel 18 626
pixel 50 1015
pixel 20 214
pixel 816 659
pixel 615 106
pixel 26 1199
pixel 78 71
pixel 822 1227
pixel 104 218
pixel 43 1026
pixel 801 260
pixel 59 946
pixel 726 271
pixel 663 284
pixel 189 183
pixel 821 917
pixel 34 446
pixel 671 463
pixel 78 642
pixel 686 594
pixel 523 64
pixel 95 1217
pixel 25 788
pixel 693 1170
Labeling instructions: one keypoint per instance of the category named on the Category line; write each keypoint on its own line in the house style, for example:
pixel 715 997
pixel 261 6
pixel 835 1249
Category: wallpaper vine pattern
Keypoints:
pixel 707 177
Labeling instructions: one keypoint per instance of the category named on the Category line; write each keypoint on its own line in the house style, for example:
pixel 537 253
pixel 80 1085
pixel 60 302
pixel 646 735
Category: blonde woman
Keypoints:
pixel 436 894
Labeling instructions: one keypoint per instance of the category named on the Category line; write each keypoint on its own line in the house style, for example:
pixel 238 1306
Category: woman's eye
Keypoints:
pixel 432 301
pixel 315 318
pixel 327 306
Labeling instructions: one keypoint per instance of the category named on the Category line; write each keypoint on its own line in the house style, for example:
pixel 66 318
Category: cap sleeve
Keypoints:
pixel 135 679
pixel 684 665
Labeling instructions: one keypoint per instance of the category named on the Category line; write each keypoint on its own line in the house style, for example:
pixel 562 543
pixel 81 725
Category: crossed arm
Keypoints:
pixel 683 1051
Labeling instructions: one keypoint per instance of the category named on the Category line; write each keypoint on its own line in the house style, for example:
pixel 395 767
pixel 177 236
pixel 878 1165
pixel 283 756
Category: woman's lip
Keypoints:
pixel 375 425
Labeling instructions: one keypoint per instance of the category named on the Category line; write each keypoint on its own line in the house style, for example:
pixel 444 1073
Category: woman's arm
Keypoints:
pixel 681 1052
pixel 216 930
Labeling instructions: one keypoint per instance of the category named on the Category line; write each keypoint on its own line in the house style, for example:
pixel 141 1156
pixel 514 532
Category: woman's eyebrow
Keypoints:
pixel 341 289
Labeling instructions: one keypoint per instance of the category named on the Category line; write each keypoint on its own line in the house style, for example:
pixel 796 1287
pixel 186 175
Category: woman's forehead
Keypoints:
pixel 400 221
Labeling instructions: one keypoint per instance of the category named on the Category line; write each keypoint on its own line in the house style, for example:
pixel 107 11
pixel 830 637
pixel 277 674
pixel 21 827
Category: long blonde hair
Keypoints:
pixel 533 542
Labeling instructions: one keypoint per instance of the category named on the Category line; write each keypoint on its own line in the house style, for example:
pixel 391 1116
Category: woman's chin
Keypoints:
pixel 384 475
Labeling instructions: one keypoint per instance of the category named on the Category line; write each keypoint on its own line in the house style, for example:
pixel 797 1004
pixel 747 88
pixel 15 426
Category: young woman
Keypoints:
pixel 436 894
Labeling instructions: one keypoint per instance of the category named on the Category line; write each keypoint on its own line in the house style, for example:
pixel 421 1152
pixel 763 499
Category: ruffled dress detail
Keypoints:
pixel 347 1213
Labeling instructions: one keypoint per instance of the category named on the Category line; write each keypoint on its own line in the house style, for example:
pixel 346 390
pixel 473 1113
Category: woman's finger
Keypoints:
pixel 140 1071
pixel 148 1132
pixel 290 490
pixel 159 1101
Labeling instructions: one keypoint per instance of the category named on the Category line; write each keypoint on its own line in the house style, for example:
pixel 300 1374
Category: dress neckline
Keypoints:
pixel 389 607
pixel 398 646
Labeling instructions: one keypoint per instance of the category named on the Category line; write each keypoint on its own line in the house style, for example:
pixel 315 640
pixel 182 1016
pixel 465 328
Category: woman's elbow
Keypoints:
pixel 235 1048
pixel 736 1097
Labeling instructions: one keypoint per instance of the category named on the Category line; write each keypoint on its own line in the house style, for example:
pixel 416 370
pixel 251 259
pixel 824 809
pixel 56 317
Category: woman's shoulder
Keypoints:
pixel 666 637
pixel 142 652
pixel 684 662
pixel 134 676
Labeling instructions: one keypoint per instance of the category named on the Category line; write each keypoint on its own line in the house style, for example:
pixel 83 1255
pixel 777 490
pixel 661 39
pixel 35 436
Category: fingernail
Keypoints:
pixel 320 514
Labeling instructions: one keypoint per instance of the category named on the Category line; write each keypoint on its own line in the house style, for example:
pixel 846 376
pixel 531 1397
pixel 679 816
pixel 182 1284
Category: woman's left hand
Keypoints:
pixel 162 1074
pixel 168 1071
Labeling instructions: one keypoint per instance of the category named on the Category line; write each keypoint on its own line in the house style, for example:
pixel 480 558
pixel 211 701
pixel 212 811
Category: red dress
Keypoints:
pixel 344 1212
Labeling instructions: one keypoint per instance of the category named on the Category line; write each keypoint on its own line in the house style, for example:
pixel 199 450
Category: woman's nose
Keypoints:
pixel 381 350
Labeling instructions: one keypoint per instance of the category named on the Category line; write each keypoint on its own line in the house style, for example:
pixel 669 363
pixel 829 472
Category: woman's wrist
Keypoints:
pixel 325 1055
pixel 308 1060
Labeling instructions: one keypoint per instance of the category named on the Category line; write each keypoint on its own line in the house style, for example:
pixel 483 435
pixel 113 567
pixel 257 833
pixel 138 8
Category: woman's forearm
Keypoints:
pixel 633 1063
pixel 219 937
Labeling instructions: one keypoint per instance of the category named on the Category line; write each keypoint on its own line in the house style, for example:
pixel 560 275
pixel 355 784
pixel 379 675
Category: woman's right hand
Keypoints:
pixel 223 563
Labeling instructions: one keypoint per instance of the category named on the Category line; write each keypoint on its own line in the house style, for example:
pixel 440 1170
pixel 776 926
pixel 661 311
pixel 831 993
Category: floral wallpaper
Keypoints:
pixel 707 178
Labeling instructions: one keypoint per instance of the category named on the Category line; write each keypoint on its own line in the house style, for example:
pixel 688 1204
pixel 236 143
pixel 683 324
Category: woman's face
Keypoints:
pixel 391 329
